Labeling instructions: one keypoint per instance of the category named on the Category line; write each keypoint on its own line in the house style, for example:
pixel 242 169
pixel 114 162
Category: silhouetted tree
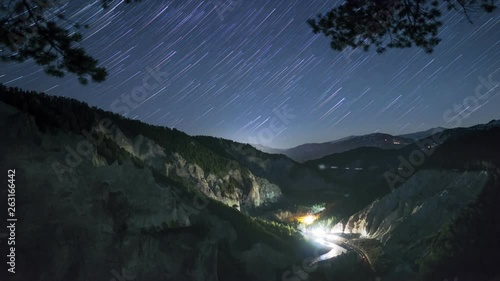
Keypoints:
pixel 34 29
pixel 391 23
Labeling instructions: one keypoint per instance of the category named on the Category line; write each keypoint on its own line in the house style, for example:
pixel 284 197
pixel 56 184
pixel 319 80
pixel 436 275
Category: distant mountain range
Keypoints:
pixel 423 134
pixel 311 151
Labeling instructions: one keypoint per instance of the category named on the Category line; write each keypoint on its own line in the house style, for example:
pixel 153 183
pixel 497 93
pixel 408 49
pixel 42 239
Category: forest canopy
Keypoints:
pixel 386 24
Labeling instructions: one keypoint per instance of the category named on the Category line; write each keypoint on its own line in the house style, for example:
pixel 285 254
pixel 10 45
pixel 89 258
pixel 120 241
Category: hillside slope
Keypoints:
pixel 148 201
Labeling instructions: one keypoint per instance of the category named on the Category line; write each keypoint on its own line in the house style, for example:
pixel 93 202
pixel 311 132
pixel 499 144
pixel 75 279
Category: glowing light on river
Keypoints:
pixel 309 219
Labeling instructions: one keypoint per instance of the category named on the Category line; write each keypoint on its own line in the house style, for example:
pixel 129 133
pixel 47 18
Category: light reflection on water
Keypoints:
pixel 335 251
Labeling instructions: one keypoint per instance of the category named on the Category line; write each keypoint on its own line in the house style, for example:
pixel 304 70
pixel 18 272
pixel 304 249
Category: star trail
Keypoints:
pixel 226 68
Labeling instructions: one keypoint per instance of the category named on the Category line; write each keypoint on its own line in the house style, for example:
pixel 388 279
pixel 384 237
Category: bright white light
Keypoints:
pixel 319 231
pixel 309 219
pixel 320 240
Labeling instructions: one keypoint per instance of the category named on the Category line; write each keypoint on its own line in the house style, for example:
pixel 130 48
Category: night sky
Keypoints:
pixel 226 73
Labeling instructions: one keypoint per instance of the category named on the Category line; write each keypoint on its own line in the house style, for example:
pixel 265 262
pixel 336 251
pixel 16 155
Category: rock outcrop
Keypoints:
pixel 418 208
pixel 236 187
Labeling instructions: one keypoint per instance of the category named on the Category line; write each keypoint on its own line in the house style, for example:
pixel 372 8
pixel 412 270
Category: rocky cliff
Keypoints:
pixel 235 186
pixel 418 208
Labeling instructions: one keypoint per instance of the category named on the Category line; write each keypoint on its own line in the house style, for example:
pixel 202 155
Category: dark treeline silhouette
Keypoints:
pixel 386 24
pixel 37 30
pixel 74 116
